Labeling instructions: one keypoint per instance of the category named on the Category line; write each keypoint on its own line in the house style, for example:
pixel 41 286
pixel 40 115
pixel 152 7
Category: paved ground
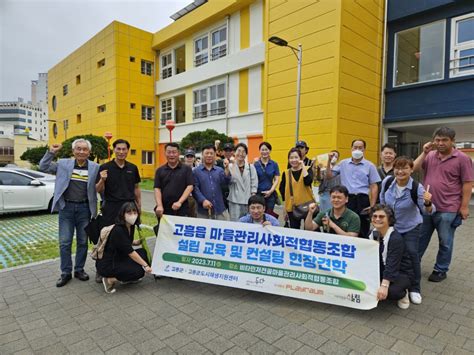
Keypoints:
pixel 172 316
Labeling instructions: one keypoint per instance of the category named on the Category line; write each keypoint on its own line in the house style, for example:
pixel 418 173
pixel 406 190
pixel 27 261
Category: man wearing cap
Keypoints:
pixel 190 160
pixel 304 149
pixel 228 149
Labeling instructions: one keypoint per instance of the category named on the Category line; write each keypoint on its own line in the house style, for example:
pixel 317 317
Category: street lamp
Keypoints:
pixel 108 136
pixel 298 52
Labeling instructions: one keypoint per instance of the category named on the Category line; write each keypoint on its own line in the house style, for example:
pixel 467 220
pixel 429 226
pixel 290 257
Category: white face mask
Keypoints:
pixel 131 218
pixel 357 154
pixel 333 160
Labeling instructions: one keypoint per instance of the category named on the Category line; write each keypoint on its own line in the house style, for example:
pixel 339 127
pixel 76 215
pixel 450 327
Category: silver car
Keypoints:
pixel 20 192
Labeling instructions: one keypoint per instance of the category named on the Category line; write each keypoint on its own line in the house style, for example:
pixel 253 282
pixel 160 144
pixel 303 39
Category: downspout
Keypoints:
pixel 156 132
pixel 383 82
pixel 228 78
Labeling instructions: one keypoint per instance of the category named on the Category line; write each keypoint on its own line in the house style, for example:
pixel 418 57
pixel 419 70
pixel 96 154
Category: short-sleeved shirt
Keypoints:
pixel 266 173
pixel 172 182
pixel 348 222
pixel 357 177
pixel 248 219
pixel 120 183
pixel 77 189
pixel 446 177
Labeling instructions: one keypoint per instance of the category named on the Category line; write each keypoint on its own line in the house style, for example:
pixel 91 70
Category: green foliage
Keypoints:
pixel 34 155
pixel 199 139
pixel 99 147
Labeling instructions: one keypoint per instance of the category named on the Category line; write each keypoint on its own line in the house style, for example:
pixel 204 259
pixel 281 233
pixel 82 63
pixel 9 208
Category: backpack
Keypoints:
pixel 98 250
pixel 413 191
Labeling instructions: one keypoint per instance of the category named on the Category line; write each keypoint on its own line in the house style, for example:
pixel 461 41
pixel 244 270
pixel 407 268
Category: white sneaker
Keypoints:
pixel 415 297
pixel 404 303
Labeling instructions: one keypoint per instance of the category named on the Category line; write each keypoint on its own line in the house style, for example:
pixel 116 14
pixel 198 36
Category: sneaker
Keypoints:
pixel 108 286
pixel 437 276
pixel 415 297
pixel 404 303
pixel 98 278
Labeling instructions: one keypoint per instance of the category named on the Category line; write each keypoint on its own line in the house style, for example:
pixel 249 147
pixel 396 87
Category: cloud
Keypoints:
pixel 35 35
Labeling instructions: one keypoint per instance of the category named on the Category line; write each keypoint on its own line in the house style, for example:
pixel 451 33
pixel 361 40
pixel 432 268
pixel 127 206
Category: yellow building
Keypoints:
pixel 106 85
pixel 214 68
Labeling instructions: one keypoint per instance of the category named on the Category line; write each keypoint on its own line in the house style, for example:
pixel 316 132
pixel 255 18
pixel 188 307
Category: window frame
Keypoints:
pixel 202 52
pixel 148 116
pixel 146 154
pixel 456 48
pixel 145 72
pixel 209 101
pixel 395 54
pixel 170 111
pixel 169 67
pixel 220 44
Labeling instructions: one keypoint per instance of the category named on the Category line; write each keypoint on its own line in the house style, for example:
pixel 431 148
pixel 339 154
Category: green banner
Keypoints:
pixel 267 271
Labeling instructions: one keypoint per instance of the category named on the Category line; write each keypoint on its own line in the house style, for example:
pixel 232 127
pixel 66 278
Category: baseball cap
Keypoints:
pixel 301 144
pixel 189 152
pixel 228 146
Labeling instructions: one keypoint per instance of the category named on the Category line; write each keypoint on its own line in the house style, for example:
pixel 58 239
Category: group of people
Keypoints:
pixel 354 195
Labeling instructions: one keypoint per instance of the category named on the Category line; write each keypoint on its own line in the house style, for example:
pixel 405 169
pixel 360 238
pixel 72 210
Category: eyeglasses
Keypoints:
pixel 378 216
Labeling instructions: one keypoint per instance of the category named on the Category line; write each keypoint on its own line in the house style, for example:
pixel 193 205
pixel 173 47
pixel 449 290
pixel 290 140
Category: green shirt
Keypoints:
pixel 348 222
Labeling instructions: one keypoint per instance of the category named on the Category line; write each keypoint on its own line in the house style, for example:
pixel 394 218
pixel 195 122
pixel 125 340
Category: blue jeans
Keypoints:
pixel 73 216
pixel 412 245
pixel 441 221
pixel 324 201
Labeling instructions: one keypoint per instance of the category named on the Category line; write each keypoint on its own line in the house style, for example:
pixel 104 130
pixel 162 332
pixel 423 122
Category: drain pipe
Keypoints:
pixel 383 82
pixel 227 82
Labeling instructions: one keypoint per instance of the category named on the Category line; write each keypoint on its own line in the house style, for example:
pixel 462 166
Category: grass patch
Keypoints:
pixel 147 184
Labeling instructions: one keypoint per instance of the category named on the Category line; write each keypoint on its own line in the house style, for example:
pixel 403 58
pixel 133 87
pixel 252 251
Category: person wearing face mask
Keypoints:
pixel 243 183
pixel 361 178
pixel 120 261
pixel 326 183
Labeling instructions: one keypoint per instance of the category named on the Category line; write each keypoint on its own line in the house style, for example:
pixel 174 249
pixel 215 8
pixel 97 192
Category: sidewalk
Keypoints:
pixel 172 316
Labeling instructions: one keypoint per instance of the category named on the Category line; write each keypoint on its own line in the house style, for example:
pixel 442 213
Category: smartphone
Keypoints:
pixel 457 221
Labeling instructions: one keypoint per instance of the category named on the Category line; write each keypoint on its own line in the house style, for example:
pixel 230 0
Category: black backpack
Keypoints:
pixel 413 192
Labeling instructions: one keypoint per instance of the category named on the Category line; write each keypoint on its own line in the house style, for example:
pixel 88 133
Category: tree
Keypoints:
pixel 34 155
pixel 198 139
pixel 99 147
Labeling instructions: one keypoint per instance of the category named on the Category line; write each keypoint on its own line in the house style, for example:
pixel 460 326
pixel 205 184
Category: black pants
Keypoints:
pixel 357 203
pixel 123 269
pixel 295 223
pixel 397 289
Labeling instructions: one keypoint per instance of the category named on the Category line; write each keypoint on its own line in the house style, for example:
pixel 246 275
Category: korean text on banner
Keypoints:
pixel 314 266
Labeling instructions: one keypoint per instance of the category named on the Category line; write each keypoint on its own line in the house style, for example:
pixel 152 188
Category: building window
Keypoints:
pixel 173 109
pixel 201 49
pixel 132 105
pixel 210 101
pixel 419 54
pixel 78 118
pixel 147 157
pixel 219 43
pixel 101 108
pixel 166 110
pixel 101 63
pixel 78 79
pixel 147 67
pixel 180 59
pixel 462 45
pixel 54 103
pixel 132 59
pixel 66 125
pixel 148 113
pixel 65 91
pixel 166 66
pixel 133 152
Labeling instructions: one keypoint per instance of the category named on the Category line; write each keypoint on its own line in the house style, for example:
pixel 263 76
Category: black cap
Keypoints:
pixel 189 152
pixel 301 144
pixel 228 146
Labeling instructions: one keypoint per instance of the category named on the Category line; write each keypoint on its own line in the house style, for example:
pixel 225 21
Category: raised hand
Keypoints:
pixel 55 148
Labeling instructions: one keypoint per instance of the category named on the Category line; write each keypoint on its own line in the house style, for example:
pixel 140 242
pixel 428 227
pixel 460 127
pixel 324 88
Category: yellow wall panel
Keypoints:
pixel 243 91
pixel 244 27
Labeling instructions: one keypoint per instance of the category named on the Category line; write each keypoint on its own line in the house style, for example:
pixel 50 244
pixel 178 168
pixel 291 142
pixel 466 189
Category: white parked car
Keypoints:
pixel 34 174
pixel 20 192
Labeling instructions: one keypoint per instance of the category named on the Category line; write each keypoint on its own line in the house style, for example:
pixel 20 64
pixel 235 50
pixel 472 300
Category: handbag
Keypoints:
pixel 299 211
pixel 93 229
